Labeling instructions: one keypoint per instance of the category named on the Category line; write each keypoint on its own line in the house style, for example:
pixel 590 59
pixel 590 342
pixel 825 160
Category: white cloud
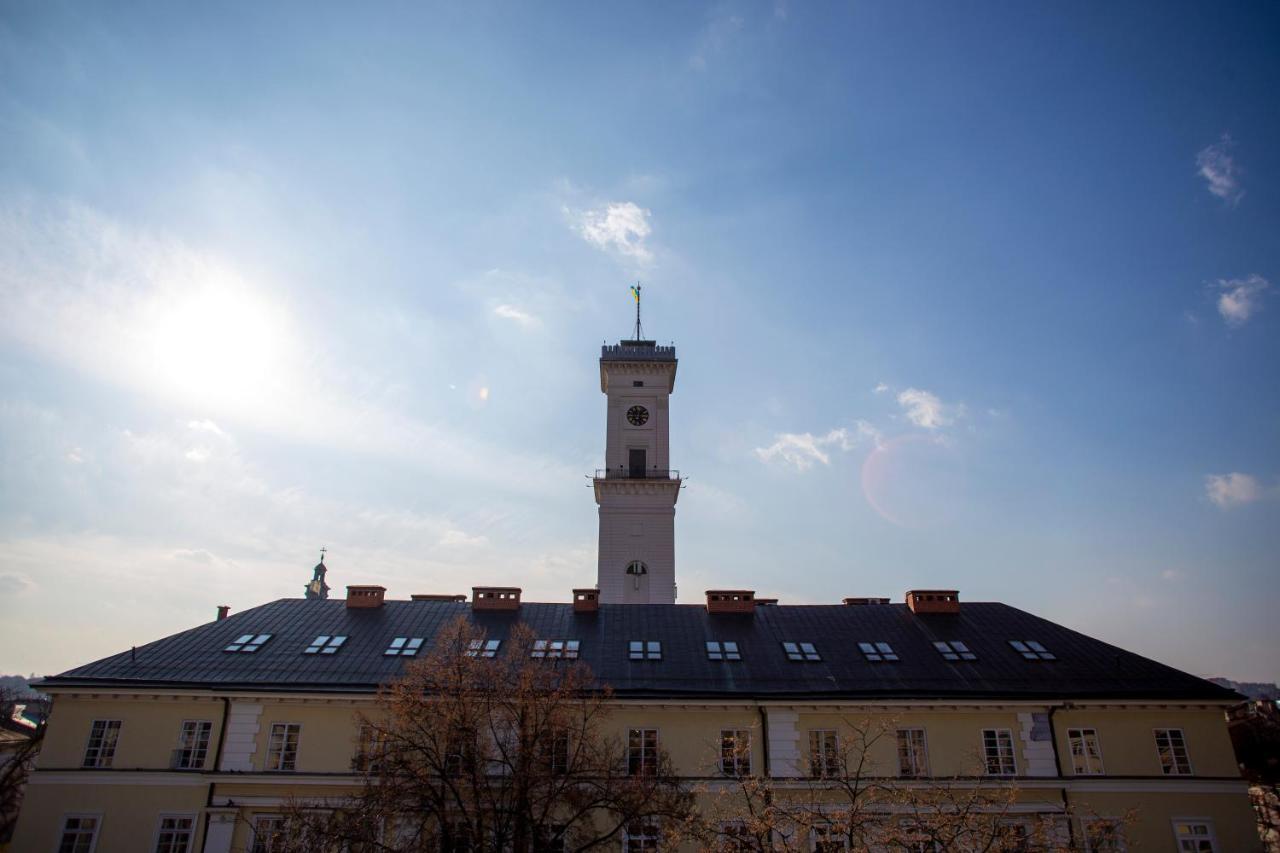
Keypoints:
pixel 801 450
pixel 511 312
pixel 1218 168
pixel 206 426
pixel 1234 489
pixel 621 226
pixel 1241 298
pixel 880 388
pixel 924 409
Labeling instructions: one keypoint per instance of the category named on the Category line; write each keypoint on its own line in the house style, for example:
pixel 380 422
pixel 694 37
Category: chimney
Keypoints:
pixel 495 598
pixel 731 601
pixel 223 610
pixel 933 600
pixel 436 596
pixel 359 597
pixel 854 602
pixel 586 600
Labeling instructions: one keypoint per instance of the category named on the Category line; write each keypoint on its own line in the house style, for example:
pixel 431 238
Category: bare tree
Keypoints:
pixel 17 759
pixel 479 750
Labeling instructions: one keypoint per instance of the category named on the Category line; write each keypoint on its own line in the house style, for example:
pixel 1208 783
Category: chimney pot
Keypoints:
pixel 731 601
pixel 495 598
pixel 223 610
pixel 586 600
pixel 365 597
pixel 933 600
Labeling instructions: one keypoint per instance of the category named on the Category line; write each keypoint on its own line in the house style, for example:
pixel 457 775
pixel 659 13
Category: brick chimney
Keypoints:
pixel 586 600
pixel 854 602
pixel 731 601
pixel 495 598
pixel 437 596
pixel 365 596
pixel 933 600
pixel 223 610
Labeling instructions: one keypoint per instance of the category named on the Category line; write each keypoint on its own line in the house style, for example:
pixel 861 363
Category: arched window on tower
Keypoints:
pixel 636 570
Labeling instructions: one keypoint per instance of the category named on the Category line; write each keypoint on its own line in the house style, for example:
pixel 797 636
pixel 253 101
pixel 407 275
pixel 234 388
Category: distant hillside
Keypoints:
pixel 1252 689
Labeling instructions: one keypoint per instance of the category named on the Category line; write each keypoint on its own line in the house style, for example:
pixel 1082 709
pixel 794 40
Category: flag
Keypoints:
pixel 635 291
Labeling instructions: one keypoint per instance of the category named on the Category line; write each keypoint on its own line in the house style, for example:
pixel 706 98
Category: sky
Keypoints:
pixel 973 296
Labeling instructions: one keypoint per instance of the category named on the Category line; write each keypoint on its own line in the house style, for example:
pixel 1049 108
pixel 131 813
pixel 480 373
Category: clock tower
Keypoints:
pixel 637 489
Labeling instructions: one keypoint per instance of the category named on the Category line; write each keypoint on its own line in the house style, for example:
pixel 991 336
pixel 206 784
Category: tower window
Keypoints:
pixel 637 383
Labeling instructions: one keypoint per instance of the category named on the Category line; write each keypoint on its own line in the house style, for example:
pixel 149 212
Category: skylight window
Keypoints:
pixel 645 650
pixel 406 646
pixel 567 649
pixel 247 643
pixel 723 651
pixel 877 651
pixel 801 651
pixel 1031 650
pixel 325 645
pixel 483 648
pixel 954 650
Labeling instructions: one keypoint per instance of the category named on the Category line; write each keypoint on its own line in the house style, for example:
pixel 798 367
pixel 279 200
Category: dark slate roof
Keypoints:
pixel 1085 667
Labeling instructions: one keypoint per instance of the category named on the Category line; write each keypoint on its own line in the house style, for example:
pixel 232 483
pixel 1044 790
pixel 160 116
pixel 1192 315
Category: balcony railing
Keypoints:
pixel 623 473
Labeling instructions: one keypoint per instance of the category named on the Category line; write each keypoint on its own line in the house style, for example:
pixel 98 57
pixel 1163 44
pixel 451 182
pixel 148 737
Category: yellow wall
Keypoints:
pixel 1128 742
pixel 149 729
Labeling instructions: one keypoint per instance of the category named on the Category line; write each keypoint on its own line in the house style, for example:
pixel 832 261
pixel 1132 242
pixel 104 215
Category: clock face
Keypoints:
pixel 637 415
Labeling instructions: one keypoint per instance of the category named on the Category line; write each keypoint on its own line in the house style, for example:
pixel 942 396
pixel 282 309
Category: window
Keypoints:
pixel 645 650
pixel 641 837
pixel 1086 754
pixel 368 750
pixel 1102 835
pixel 1195 836
pixel 827 839
pixel 404 646
pixel 997 750
pixel 954 650
pixel 460 752
pixel 247 643
pixel 175 834
pixel 268 834
pixel 555 752
pixel 1031 650
pixel 101 749
pixel 913 753
pixel 877 651
pixel 555 649
pixel 824 753
pixel 723 651
pixel 1014 836
pixel 642 752
pixel 735 752
pixel 483 648
pixel 1172 748
pixel 735 837
pixel 282 749
pixel 79 834
pixel 325 645
pixel 801 651
pixel 193 745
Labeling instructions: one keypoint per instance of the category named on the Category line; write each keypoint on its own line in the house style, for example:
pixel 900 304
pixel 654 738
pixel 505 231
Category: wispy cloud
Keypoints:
pixel 511 312
pixel 621 227
pixel 1241 298
pixel 1220 171
pixel 880 388
pixel 802 450
pixel 924 409
pixel 1234 489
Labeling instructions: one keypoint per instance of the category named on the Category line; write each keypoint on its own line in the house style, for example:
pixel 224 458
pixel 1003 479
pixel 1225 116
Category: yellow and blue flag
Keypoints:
pixel 635 291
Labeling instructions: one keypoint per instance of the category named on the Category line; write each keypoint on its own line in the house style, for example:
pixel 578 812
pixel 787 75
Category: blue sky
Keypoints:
pixel 969 296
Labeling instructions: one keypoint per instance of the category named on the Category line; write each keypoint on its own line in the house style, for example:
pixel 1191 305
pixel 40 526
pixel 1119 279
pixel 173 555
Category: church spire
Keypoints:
pixel 317 588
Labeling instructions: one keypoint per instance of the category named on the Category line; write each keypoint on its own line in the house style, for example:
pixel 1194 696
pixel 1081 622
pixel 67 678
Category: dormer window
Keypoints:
pixel 801 652
pixel 644 650
pixel 877 651
pixel 247 643
pixel 483 648
pixel 1031 650
pixel 723 651
pixel 325 645
pixel 406 646
pixel 954 650
pixel 567 649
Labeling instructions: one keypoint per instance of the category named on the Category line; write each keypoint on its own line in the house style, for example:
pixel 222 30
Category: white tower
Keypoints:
pixel 637 489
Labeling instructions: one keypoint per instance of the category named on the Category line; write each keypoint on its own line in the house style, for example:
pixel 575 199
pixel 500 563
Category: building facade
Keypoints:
pixel 195 743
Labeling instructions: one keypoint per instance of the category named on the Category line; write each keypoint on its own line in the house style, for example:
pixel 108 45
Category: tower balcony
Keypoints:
pixel 624 473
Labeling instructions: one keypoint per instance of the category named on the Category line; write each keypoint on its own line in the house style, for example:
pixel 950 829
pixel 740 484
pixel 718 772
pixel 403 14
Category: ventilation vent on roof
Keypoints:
pixel 365 596
pixel 765 602
pixel 859 601
pixel 436 596
pixel 586 600
pixel 933 600
pixel 495 598
pixel 731 601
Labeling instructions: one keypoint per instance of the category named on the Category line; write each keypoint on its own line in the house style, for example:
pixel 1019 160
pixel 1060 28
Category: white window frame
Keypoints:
pixel 986 758
pixel 1212 837
pixel 296 749
pixel 247 643
pixel 654 833
pixel 1186 753
pixel 115 745
pixel 326 644
pixel 1084 732
pixel 1117 822
pixel 97 828
pixel 403 647
pixel 657 748
pixel 924 747
pixel 823 759
pixel 182 747
pixel 644 650
pixel 827 830
pixel 253 825
pixel 723 650
pixel 163 816
pixel 801 651
pixel 556 648
pixel 741 758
